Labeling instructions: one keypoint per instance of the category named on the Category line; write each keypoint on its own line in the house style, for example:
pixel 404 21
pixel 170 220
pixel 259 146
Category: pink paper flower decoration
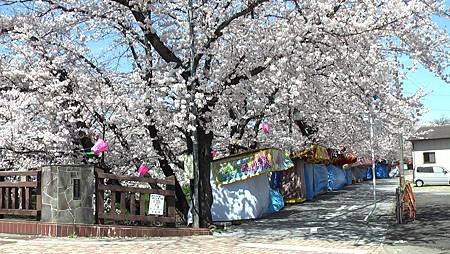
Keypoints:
pixel 143 170
pixel 266 128
pixel 99 147
pixel 214 153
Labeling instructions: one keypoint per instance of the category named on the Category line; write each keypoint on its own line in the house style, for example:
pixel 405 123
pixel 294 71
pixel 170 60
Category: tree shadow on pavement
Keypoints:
pixel 333 216
pixel 431 227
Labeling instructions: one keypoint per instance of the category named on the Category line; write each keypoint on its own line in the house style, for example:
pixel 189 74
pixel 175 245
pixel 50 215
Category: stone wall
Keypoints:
pixel 58 203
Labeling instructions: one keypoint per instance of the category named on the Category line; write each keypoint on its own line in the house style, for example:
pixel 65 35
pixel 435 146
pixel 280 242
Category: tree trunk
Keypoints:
pixel 181 203
pixel 204 184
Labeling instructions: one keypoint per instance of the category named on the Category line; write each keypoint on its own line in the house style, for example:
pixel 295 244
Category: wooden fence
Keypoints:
pixel 20 193
pixel 130 203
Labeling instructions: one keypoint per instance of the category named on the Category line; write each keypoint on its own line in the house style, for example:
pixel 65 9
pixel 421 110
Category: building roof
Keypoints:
pixel 432 132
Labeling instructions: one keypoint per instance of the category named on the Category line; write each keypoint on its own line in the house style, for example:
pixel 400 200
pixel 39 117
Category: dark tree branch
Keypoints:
pixel 218 32
pixel 164 51
pixel 157 143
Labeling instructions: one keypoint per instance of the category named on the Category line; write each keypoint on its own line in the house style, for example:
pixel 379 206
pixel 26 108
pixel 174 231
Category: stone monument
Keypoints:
pixel 68 194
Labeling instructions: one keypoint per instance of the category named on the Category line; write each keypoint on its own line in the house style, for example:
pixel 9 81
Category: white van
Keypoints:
pixel 431 175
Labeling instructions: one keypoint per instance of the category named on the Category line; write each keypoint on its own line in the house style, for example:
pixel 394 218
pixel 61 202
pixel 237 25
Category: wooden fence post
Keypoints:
pixel 171 202
pixel 38 196
pixel 2 195
pixel 99 198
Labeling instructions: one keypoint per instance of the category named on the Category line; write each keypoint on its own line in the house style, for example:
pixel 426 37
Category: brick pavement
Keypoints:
pixel 195 244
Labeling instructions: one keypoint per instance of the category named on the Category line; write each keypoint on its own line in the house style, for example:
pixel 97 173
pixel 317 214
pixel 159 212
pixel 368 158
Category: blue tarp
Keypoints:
pixel 309 181
pixel 359 173
pixel 276 201
pixel 348 176
pixel 369 173
pixel 336 178
pixel 316 180
pixel 381 171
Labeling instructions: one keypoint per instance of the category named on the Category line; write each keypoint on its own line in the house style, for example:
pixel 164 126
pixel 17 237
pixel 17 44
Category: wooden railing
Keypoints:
pixel 130 203
pixel 20 193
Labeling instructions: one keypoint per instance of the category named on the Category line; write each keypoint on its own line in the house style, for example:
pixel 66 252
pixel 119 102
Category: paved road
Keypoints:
pixel 332 224
pixel 430 233
pixel 334 216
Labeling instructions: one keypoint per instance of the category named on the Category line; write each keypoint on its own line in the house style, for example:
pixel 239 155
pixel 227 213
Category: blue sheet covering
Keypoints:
pixel 316 180
pixel 369 173
pixel 336 178
pixel 359 173
pixel 309 181
pixel 276 202
pixel 381 171
pixel 276 199
pixel 348 176
pixel 320 179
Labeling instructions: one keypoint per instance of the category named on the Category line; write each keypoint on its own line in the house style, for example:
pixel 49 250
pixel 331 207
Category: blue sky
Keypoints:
pixel 438 99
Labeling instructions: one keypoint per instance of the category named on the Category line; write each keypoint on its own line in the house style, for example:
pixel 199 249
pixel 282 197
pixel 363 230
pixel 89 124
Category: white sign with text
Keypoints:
pixel 156 204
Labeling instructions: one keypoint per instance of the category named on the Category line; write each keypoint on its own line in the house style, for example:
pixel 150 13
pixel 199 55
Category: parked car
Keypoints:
pixel 431 175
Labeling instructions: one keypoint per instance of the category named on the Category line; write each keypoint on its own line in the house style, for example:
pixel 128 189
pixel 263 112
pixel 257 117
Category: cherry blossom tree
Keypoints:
pixel 72 71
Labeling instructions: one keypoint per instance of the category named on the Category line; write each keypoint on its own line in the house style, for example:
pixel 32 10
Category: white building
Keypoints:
pixel 431 145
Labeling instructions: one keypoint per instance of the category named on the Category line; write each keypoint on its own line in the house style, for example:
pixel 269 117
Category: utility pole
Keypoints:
pixel 401 166
pixel 373 162
pixel 193 107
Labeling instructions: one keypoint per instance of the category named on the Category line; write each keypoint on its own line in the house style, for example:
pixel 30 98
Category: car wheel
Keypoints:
pixel 419 183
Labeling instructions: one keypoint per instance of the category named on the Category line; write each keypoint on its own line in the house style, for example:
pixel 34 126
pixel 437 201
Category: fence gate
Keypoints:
pixel 131 204
pixel 20 193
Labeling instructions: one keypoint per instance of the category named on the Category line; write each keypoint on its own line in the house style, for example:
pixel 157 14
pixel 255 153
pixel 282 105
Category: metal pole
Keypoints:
pixel 401 166
pixel 195 201
pixel 373 165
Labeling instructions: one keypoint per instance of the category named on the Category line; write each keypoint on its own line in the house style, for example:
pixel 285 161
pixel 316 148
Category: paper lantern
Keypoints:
pixel 266 128
pixel 99 147
pixel 143 170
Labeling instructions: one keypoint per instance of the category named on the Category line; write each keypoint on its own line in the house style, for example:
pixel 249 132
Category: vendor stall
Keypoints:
pixel 316 180
pixel 240 184
pixel 336 178
pixel 293 183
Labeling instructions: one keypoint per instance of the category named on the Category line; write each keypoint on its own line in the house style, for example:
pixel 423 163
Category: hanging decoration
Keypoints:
pixel 266 128
pixel 143 170
pixel 99 147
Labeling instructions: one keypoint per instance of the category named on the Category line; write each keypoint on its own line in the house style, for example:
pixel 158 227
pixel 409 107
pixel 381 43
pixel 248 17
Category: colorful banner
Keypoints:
pixel 320 155
pixel 243 166
pixel 315 154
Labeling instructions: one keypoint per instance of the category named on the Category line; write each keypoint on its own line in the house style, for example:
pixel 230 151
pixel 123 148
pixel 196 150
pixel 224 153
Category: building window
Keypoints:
pixel 76 189
pixel 429 158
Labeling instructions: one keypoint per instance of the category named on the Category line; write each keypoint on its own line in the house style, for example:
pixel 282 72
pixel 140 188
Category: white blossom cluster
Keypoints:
pixel 72 71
